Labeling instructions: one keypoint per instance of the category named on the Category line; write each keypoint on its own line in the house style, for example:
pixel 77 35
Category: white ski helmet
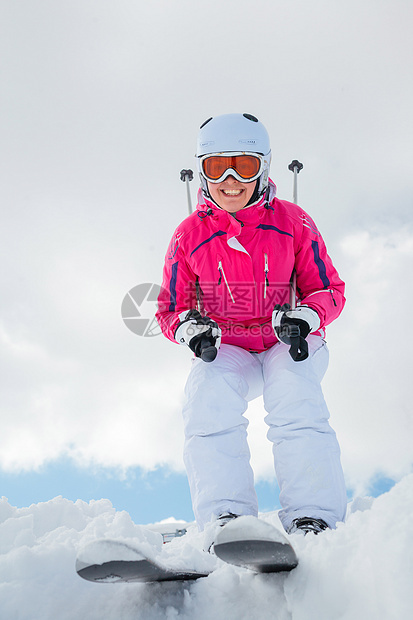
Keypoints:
pixel 238 134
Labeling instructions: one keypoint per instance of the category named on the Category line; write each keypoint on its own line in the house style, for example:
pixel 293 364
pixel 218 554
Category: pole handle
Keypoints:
pixel 186 174
pixel 298 348
pixel 295 165
pixel 208 351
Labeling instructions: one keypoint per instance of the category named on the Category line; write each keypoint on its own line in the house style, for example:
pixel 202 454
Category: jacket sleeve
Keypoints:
pixel 318 283
pixel 178 291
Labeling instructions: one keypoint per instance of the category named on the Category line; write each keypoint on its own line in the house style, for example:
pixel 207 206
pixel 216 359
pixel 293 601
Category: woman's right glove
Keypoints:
pixel 200 333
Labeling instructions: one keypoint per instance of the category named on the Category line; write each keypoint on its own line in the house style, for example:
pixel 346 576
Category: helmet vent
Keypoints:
pixel 250 117
pixel 203 124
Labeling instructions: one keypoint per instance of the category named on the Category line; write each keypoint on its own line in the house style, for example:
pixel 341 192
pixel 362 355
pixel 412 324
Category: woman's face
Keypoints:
pixel 231 195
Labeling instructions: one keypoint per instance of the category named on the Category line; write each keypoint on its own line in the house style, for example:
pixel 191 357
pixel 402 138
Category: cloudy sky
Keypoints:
pixel 100 106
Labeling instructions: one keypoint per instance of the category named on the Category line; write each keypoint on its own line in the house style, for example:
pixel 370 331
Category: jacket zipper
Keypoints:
pixel 222 275
pixel 266 274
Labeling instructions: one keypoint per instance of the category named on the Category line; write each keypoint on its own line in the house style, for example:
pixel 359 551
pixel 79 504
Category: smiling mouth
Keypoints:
pixel 232 192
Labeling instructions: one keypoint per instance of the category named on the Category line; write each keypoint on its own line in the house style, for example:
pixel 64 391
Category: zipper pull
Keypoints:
pixel 266 275
pixel 222 275
pixel 220 272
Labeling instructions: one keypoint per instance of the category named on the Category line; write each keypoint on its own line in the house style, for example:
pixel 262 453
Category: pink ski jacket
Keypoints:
pixel 238 267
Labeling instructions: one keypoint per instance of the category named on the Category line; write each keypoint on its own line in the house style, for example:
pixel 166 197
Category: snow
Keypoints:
pixel 361 571
pixel 249 528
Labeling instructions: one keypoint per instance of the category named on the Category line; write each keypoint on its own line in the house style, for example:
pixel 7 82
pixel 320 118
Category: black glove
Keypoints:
pixel 293 326
pixel 200 333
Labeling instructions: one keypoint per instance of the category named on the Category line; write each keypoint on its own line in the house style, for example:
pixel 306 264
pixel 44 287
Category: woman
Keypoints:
pixel 227 277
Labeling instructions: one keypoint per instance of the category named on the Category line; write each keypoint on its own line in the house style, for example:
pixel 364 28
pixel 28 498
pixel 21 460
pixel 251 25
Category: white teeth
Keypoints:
pixel 232 192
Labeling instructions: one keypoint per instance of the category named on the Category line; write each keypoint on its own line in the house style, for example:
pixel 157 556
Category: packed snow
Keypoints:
pixel 361 571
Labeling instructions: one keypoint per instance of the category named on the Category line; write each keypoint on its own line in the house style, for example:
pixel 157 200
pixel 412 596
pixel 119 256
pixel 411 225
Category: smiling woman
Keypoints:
pixel 226 296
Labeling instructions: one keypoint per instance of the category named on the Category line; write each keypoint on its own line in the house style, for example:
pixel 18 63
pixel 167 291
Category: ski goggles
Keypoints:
pixel 245 167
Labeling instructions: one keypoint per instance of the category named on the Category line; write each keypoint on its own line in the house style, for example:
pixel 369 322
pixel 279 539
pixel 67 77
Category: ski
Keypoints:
pixel 112 561
pixel 256 545
pixel 246 541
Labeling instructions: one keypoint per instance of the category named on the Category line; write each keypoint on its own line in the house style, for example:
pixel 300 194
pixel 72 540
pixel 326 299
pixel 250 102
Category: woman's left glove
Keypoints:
pixel 200 333
pixel 293 326
pixel 304 317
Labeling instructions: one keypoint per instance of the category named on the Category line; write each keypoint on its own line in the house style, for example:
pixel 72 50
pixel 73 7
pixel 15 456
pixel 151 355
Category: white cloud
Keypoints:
pixel 368 386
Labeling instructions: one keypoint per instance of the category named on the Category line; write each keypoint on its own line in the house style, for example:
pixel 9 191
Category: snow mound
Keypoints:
pixel 361 571
pixel 250 528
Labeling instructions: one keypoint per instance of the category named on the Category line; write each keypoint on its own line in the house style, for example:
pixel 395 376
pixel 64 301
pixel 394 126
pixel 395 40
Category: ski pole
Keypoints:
pixel 295 167
pixel 208 351
pixel 187 175
pixel 299 346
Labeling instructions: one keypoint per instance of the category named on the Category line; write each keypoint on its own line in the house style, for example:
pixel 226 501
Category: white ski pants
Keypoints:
pixel 305 448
